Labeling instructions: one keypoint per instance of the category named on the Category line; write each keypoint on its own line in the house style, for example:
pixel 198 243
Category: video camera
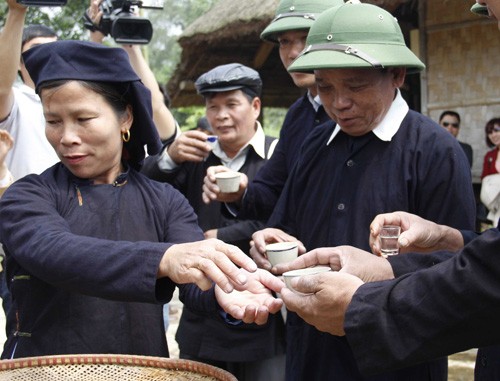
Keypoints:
pixel 119 21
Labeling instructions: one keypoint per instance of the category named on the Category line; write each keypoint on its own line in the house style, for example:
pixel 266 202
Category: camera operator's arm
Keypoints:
pixel 163 118
pixel 93 14
pixel 10 54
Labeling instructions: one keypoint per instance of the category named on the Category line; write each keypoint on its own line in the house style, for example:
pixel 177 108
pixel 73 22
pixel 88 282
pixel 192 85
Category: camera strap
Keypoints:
pixel 89 24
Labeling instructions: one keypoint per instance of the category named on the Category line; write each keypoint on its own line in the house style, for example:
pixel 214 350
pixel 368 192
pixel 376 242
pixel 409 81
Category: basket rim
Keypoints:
pixel 118 359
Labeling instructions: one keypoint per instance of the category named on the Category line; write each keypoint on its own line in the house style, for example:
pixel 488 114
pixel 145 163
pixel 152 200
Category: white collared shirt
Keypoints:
pixel 388 127
pixel 315 101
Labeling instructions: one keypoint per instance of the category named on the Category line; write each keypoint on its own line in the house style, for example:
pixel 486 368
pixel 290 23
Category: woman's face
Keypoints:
pixel 494 135
pixel 85 131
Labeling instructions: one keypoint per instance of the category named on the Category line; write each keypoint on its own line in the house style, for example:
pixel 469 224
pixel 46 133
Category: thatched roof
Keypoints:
pixel 230 32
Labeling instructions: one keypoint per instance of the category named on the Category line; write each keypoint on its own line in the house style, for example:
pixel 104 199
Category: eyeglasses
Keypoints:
pixel 446 124
pixel 495 129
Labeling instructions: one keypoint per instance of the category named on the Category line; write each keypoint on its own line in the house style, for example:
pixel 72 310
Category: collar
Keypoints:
pixel 258 143
pixel 120 180
pixel 315 101
pixel 388 127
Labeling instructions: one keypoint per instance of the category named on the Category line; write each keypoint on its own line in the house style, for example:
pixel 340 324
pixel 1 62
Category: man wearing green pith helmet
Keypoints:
pixel 376 156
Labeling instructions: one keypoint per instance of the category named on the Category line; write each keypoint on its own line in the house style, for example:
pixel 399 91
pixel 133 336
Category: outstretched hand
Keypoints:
pixel 263 237
pixel 345 259
pixel 322 300
pixel 253 302
pixel 205 261
pixel 418 234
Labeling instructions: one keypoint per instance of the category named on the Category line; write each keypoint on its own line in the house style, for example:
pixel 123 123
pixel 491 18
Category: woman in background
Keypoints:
pixel 490 178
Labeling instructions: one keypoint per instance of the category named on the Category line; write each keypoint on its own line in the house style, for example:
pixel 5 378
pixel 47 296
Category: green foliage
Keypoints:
pixel 163 51
pixel 273 119
pixel 187 117
pixel 66 21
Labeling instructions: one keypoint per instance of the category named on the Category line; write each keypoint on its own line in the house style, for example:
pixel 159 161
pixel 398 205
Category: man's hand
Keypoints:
pixel 205 261
pixel 344 259
pixel 253 302
pixel 190 146
pixel 263 237
pixel 418 234
pixel 323 299
pixel 211 192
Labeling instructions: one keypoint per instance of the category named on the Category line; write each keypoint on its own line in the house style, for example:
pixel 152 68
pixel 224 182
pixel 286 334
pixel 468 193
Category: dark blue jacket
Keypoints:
pixel 82 262
pixel 263 192
pixel 333 194
pixel 450 307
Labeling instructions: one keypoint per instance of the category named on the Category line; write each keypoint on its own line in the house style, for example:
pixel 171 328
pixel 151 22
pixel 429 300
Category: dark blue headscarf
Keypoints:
pixel 88 61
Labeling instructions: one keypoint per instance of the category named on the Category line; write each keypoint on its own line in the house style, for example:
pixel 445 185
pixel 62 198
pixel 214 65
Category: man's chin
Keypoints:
pixel 303 80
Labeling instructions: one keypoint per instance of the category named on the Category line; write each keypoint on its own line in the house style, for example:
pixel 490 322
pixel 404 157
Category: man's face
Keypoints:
pixel 451 123
pixel 358 99
pixel 232 117
pixel 291 43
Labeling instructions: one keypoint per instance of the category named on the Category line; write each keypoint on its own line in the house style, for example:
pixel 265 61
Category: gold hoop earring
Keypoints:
pixel 126 136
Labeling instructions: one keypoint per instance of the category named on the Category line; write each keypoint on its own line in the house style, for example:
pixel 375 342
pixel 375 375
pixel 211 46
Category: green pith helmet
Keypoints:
pixel 355 36
pixel 479 9
pixel 295 15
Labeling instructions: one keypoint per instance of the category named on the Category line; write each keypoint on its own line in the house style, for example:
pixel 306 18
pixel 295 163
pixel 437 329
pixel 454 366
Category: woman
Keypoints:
pixel 94 249
pixel 491 164
pixel 490 178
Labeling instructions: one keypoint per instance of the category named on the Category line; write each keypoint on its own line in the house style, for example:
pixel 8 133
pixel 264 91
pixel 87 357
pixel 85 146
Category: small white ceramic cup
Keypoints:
pixel 282 252
pixel 212 140
pixel 289 275
pixel 228 182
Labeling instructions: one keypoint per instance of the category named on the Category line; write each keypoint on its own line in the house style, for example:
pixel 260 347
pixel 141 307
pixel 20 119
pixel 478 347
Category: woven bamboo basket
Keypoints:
pixel 108 368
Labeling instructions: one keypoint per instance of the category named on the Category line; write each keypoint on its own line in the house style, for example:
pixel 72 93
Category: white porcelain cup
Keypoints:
pixel 212 140
pixel 289 275
pixel 228 182
pixel 282 252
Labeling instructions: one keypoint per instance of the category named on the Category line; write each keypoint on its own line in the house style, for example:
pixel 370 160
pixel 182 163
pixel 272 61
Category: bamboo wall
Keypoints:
pixel 463 70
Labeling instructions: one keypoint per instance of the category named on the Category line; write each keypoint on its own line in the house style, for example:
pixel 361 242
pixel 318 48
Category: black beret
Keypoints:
pixel 89 61
pixel 229 77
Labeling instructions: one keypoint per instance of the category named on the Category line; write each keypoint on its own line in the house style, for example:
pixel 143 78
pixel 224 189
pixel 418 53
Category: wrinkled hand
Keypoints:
pixel 189 146
pixel 205 261
pixel 418 234
pixel 345 259
pixel 263 237
pixel 211 192
pixel 253 302
pixel 323 299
